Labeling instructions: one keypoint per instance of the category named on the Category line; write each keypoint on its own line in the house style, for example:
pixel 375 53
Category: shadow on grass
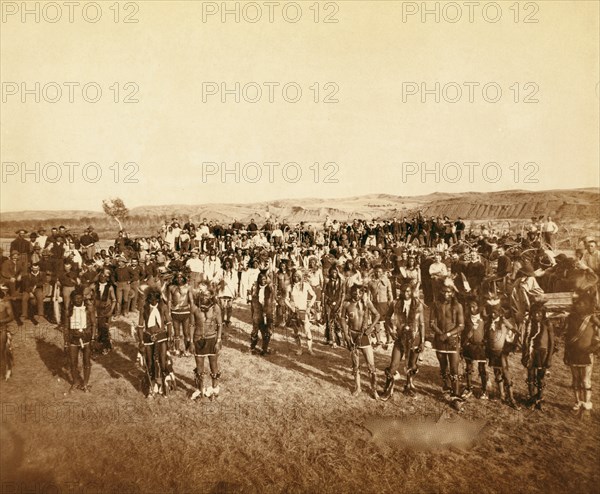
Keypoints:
pixel 54 358
pixel 121 361
pixel 15 472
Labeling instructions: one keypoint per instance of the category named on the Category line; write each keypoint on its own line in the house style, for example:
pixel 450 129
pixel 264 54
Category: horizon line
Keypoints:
pixel 266 202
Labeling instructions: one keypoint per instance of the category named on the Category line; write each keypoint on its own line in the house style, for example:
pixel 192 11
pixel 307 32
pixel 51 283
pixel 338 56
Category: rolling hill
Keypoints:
pixel 577 204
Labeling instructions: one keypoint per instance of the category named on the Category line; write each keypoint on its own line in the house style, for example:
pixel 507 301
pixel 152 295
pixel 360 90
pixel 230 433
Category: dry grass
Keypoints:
pixel 282 424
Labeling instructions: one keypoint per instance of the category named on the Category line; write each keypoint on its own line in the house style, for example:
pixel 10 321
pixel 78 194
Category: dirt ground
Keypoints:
pixel 282 424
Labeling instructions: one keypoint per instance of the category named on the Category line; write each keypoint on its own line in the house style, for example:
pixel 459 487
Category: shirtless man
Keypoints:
pixel 405 319
pixel 207 341
pixel 473 347
pixel 447 322
pixel 582 340
pixel 6 317
pixel 282 286
pixel 538 348
pixel 499 337
pixel 355 325
pixel 179 300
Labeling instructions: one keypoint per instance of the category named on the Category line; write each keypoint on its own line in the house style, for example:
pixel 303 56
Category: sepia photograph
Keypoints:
pixel 302 246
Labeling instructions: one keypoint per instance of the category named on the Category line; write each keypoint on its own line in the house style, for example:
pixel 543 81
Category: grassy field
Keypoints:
pixel 282 424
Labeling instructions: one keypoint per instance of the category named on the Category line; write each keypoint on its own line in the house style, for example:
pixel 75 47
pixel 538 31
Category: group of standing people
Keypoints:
pixel 373 287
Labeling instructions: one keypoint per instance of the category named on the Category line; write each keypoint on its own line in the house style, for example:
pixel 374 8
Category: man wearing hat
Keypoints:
pixel 591 256
pixel 23 247
pixel 9 276
pixel 526 289
pixel 123 276
pixel 33 290
pixel 137 274
pixel 6 317
pixel 88 243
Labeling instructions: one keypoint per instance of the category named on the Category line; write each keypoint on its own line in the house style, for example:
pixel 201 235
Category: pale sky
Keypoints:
pixel 368 57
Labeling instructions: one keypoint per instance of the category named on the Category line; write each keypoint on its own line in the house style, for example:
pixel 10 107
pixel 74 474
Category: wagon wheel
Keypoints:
pixel 568 237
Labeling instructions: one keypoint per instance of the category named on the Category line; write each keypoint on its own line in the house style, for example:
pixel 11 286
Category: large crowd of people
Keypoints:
pixel 378 289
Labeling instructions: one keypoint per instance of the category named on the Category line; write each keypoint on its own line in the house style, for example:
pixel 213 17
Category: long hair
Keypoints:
pixel 152 293
pixel 77 291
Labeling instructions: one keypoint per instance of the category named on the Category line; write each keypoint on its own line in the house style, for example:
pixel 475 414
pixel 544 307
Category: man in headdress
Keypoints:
pixel 500 339
pixel 207 340
pixel 538 348
pixel 354 319
pixel 405 319
pixel 180 303
pixel 473 347
pixel 153 331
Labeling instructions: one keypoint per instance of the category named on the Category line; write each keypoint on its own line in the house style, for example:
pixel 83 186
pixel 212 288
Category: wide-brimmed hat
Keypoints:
pixel 589 239
pixel 526 270
pixel 21 230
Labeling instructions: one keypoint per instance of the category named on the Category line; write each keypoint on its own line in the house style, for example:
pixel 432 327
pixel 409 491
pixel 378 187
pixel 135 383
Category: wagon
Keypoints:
pixel 557 303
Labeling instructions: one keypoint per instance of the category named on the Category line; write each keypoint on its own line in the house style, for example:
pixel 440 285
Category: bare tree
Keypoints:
pixel 116 209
